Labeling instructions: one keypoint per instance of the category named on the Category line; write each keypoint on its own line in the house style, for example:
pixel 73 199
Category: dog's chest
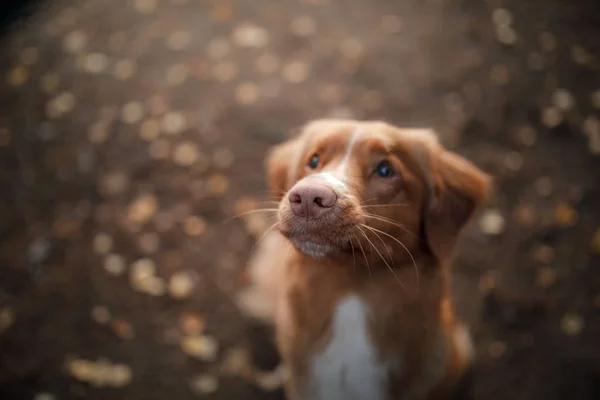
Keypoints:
pixel 349 368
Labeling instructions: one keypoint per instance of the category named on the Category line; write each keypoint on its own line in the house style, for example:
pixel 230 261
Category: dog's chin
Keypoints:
pixel 315 246
pixel 313 249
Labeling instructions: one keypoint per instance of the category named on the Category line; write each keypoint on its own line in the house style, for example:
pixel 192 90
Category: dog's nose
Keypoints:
pixel 311 200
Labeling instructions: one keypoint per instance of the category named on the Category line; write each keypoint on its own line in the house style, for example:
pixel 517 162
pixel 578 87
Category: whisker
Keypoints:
pixel 367 201
pixel 401 244
pixel 254 211
pixel 383 259
pixel 389 221
pixel 263 236
pixel 383 243
pixel 353 256
pixel 364 255
pixel 380 255
pixel 268 203
pixel 386 205
pixel 268 200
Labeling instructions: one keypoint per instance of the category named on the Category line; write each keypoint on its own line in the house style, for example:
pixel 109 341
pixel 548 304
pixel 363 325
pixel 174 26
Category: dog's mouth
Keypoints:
pixel 318 238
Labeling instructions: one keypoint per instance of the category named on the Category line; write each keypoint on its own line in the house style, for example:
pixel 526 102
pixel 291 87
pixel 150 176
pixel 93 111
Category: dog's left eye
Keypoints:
pixel 313 162
pixel 384 169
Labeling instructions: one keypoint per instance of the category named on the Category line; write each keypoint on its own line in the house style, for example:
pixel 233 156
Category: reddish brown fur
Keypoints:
pixel 433 196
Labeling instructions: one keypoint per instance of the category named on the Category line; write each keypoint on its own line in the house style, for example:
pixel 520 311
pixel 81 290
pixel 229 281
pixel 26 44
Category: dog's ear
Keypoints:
pixel 281 163
pixel 457 189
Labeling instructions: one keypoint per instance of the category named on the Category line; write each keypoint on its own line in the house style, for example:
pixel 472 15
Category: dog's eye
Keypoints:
pixel 384 169
pixel 313 162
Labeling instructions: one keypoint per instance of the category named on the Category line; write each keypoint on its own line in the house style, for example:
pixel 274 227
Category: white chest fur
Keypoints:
pixel 348 368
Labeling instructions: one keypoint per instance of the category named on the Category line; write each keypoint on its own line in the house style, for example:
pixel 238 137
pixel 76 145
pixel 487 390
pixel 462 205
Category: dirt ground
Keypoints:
pixel 132 131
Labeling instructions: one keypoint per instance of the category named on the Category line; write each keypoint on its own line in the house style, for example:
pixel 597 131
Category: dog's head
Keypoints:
pixel 346 185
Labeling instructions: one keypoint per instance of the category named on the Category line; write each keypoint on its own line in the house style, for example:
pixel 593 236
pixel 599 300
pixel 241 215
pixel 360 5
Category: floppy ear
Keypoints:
pixel 282 162
pixel 458 188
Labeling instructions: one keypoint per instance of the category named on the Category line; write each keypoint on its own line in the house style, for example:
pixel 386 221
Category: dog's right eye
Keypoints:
pixel 384 169
pixel 313 162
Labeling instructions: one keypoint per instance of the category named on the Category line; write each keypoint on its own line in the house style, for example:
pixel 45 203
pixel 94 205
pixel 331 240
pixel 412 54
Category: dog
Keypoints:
pixel 355 277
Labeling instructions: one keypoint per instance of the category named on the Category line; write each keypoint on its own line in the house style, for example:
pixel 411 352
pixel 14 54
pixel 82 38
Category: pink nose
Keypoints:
pixel 311 200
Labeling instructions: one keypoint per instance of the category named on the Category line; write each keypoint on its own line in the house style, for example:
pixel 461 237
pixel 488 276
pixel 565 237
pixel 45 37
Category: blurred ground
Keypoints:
pixel 132 131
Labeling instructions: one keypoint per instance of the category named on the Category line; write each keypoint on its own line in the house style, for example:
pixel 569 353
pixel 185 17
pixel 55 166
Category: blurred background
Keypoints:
pixel 132 131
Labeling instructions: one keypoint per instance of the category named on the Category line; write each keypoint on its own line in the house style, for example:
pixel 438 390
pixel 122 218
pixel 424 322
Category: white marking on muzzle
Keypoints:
pixel 341 169
pixel 337 177
pixel 331 179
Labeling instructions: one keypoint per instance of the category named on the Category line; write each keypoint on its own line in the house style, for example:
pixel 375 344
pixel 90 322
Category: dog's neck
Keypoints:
pixel 358 266
pixel 397 283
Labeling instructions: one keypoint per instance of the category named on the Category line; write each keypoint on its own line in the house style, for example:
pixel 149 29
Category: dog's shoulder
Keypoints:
pixel 264 277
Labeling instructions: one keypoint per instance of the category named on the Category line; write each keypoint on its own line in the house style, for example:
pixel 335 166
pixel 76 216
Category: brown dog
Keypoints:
pixel 356 277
